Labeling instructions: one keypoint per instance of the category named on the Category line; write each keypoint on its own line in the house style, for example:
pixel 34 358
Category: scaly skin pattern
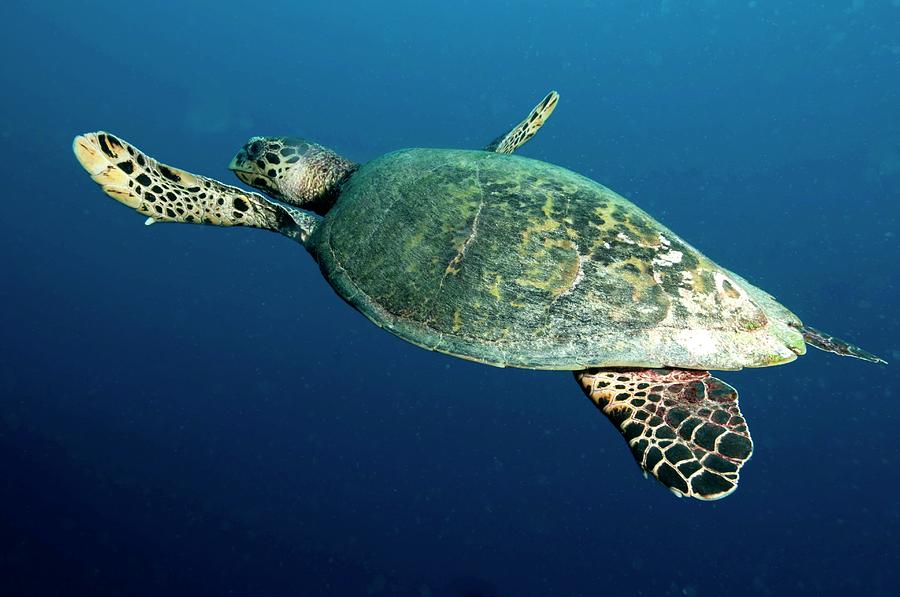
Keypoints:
pixel 683 427
pixel 515 262
pixel 296 171
pixel 518 135
pixel 169 194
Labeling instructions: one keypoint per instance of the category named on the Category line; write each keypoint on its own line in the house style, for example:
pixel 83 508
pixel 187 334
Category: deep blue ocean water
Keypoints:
pixel 192 410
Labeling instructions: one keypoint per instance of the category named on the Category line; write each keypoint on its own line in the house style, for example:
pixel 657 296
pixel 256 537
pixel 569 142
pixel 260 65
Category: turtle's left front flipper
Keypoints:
pixel 683 427
pixel 518 135
pixel 168 194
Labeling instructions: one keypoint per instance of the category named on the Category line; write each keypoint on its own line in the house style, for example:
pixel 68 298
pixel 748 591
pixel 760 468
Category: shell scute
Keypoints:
pixel 512 261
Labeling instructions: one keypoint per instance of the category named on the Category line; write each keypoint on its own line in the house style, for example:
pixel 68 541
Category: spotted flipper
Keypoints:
pixel 518 135
pixel 683 427
pixel 828 343
pixel 167 194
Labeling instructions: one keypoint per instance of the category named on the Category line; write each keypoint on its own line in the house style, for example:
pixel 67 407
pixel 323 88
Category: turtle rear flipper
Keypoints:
pixel 168 194
pixel 683 427
pixel 829 343
pixel 518 135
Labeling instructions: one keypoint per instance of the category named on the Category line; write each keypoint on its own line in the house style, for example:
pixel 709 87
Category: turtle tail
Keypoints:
pixel 829 343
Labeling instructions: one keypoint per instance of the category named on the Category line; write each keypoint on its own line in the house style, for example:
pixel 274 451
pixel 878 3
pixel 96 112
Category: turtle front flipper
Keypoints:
pixel 167 194
pixel 829 343
pixel 683 427
pixel 518 135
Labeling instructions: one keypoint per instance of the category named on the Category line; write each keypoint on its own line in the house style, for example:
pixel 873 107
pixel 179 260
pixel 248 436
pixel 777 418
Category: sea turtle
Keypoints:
pixel 512 262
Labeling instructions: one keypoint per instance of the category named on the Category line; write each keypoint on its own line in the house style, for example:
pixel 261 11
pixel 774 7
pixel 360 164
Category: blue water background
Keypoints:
pixel 191 410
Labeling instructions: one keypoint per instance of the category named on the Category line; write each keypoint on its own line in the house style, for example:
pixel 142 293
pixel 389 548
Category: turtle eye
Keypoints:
pixel 254 149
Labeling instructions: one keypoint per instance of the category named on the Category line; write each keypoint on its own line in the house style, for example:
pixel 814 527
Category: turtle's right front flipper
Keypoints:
pixel 167 194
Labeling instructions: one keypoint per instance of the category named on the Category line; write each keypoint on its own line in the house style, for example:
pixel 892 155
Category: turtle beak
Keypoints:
pixel 239 167
pixel 237 162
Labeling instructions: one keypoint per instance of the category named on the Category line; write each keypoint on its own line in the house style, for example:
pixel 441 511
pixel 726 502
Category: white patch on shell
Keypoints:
pixel 657 275
pixel 668 259
pixel 664 241
pixel 624 238
pixel 720 280
pixel 697 342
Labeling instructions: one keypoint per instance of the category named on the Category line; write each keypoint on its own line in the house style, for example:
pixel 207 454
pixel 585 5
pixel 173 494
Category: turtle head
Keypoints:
pixel 293 170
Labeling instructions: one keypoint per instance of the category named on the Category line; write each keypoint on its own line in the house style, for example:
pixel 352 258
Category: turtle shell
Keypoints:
pixel 515 262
